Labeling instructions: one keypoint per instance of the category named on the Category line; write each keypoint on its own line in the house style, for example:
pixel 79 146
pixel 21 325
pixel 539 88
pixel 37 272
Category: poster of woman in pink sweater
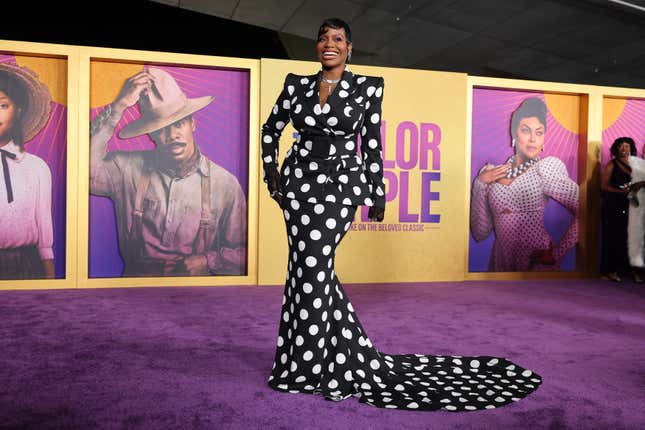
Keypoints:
pixel 26 231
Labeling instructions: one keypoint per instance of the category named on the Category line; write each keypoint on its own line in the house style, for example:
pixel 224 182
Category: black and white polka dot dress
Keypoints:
pixel 322 347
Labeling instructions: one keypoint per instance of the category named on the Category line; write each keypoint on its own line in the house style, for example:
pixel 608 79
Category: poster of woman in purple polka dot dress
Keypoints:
pixel 524 195
pixel 169 151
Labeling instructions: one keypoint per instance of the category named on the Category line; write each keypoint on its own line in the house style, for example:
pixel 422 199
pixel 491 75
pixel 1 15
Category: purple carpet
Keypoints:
pixel 193 358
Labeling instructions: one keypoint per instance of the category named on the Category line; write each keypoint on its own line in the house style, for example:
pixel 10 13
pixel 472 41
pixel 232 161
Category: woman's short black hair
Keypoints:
pixel 335 23
pixel 619 141
pixel 17 92
pixel 532 106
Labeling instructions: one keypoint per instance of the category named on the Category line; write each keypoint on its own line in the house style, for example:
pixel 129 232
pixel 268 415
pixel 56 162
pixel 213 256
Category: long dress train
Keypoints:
pixel 323 349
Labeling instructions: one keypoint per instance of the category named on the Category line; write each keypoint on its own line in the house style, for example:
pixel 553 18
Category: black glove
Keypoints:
pixel 376 213
pixel 274 185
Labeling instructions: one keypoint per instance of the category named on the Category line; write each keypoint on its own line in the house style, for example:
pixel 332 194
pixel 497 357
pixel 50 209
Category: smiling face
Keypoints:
pixel 176 142
pixel 332 48
pixel 9 114
pixel 624 150
pixel 530 138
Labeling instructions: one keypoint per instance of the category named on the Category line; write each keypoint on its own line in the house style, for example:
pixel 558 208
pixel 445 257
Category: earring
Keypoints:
pixel 349 56
pixel 513 143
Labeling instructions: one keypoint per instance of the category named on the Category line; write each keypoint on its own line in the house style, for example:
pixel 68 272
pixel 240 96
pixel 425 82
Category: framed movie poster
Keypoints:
pixel 525 194
pixel 34 184
pixel 170 156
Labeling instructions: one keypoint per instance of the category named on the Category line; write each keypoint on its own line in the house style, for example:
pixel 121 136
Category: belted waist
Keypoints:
pixel 332 167
pixel 323 138
pixel 320 143
pixel 310 158
pixel 337 162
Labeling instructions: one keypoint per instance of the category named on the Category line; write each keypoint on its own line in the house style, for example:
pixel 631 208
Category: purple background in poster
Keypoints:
pixel 631 123
pixel 50 144
pixel 222 130
pixel 491 143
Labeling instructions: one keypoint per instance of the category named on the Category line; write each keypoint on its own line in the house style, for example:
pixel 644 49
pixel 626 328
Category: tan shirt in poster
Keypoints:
pixel 171 207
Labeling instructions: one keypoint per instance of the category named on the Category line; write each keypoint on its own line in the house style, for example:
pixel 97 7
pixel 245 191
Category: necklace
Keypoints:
pixel 330 83
pixel 514 172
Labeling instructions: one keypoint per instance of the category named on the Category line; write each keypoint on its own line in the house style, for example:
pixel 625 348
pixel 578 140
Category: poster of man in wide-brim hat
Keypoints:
pixel 26 232
pixel 177 212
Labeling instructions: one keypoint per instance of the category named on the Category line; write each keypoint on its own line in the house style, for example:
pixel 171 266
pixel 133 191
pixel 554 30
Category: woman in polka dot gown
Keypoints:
pixel 322 347
pixel 510 199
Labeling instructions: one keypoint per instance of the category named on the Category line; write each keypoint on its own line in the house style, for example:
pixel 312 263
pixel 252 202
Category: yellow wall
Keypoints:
pixel 439 252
